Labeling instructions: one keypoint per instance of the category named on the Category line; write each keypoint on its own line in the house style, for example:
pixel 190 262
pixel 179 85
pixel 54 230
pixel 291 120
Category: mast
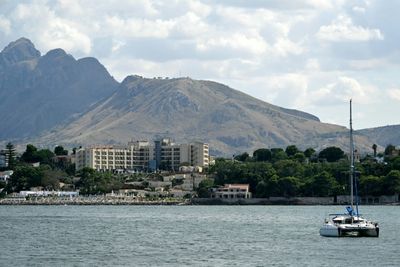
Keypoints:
pixel 351 159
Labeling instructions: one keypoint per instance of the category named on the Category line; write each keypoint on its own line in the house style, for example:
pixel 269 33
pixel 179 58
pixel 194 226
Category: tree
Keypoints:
pixel 242 157
pixel 299 157
pixel 331 154
pixel 92 182
pixel 321 185
pixel 395 163
pixel 268 188
pixel 262 154
pixel 371 185
pixel 374 147
pixel 45 156
pixel 289 186
pixel 25 177
pixel 391 182
pixel 309 152
pixel 50 179
pixel 389 149
pixel 30 154
pixel 287 167
pixel 278 154
pixel 10 155
pixel 60 151
pixel 203 190
pixel 291 150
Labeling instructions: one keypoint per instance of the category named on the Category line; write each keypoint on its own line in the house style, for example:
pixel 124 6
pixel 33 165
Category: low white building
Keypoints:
pixel 49 193
pixel 231 191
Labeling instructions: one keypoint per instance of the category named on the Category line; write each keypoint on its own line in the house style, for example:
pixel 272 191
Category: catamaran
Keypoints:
pixel 350 223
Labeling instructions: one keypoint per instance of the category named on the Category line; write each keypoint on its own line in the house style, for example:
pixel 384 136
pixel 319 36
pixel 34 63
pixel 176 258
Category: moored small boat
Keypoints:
pixel 345 225
pixel 350 224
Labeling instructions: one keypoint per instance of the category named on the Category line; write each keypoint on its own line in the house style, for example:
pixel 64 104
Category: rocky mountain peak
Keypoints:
pixel 55 53
pixel 19 50
pixel 50 88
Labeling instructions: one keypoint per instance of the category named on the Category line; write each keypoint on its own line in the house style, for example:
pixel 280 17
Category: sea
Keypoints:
pixel 190 236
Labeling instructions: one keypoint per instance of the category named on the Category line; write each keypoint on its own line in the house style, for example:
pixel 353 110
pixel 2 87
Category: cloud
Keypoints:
pixel 342 90
pixel 394 93
pixel 49 30
pixel 284 47
pixel 5 25
pixel 249 42
pixel 359 9
pixel 282 4
pixel 306 54
pixel 343 29
pixel 141 28
pixel 371 63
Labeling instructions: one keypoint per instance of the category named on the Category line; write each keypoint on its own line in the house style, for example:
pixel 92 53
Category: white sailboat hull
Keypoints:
pixel 349 230
pixel 329 230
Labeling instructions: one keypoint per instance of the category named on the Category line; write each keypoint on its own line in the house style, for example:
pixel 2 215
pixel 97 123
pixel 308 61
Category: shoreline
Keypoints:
pixel 96 201
pixel 89 202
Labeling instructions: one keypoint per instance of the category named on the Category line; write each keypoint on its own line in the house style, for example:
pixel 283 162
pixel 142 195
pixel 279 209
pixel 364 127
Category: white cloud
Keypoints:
pixel 199 8
pixel 191 26
pixel 371 63
pixel 343 29
pixel 248 42
pixel 359 9
pixel 288 90
pixel 5 25
pixel 327 4
pixel 116 45
pixel 298 54
pixel 61 34
pixel 312 64
pixel 342 90
pixel 394 93
pixel 49 30
pixel 284 46
pixel 138 28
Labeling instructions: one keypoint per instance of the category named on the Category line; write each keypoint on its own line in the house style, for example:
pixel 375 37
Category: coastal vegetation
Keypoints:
pixel 269 172
pixel 291 172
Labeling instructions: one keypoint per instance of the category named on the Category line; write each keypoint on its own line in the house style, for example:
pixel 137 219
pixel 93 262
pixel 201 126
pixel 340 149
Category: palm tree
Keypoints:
pixel 374 147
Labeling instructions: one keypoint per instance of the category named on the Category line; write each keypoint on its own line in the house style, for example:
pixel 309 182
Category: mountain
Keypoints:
pixel 39 92
pixel 56 99
pixel 383 136
pixel 186 109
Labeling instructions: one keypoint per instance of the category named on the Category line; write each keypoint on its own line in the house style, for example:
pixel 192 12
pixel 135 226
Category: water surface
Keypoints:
pixel 190 236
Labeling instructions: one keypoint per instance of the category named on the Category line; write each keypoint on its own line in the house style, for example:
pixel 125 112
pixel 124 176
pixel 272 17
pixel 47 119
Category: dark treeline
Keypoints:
pixel 38 168
pixel 291 172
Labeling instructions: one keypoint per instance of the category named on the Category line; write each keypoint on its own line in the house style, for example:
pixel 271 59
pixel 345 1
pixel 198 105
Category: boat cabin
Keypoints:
pixel 347 219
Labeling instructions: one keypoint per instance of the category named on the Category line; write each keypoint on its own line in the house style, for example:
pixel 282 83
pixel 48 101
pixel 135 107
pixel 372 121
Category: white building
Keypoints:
pixel 48 193
pixel 142 155
pixel 232 191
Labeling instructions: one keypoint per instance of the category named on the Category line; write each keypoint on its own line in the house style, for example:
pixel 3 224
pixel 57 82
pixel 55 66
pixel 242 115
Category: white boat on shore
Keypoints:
pixel 350 224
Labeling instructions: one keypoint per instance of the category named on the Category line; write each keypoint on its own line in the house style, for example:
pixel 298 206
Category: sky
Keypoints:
pixel 311 55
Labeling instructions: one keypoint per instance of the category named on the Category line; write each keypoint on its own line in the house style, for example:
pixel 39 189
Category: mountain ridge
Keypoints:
pixel 43 91
pixel 189 109
pixel 57 99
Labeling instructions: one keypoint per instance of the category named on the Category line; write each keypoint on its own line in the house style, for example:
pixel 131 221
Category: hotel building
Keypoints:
pixel 142 155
